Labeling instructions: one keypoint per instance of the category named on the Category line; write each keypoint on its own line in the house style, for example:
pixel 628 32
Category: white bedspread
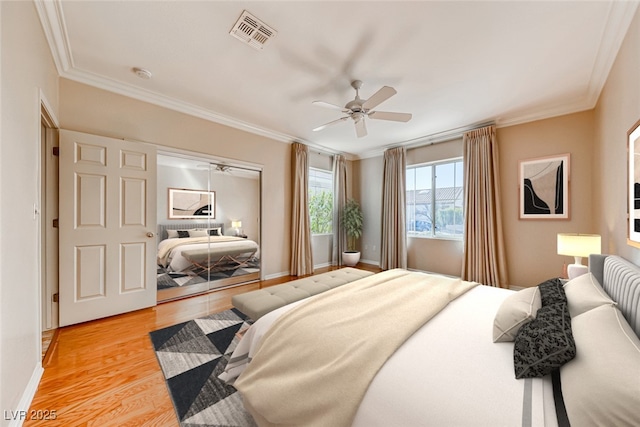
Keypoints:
pixel 333 346
pixel 449 373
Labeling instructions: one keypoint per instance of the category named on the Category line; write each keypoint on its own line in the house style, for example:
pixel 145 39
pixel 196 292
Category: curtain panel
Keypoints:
pixel 301 257
pixel 394 235
pixel 484 259
pixel 339 201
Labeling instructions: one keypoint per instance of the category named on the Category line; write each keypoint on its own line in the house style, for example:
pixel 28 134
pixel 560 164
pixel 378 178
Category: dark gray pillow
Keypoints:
pixel 545 343
pixel 183 233
pixel 552 292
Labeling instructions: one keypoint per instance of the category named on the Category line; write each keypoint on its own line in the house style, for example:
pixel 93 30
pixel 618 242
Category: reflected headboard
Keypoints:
pixel 162 228
pixel 621 280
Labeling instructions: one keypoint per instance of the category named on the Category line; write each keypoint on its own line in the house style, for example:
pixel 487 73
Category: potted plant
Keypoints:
pixel 352 221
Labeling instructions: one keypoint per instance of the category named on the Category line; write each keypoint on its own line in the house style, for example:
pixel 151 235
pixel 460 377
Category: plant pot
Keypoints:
pixel 350 258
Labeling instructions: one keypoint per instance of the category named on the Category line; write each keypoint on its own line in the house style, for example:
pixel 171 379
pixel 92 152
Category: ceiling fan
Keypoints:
pixel 359 108
pixel 223 168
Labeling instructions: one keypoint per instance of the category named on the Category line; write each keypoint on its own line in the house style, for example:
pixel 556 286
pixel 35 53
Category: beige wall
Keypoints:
pixel 531 244
pixel 27 69
pixel 90 110
pixel 617 110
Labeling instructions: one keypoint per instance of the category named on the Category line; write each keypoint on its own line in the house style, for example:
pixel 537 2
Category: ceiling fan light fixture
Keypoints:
pixel 357 109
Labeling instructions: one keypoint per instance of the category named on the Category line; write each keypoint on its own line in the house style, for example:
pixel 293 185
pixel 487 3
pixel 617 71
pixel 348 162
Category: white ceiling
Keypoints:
pixel 455 65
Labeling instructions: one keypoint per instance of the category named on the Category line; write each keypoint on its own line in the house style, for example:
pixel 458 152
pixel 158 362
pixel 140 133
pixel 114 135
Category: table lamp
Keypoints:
pixel 578 246
pixel 236 225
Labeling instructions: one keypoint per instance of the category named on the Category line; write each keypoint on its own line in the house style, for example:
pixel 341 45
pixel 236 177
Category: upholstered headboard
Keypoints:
pixel 162 228
pixel 621 280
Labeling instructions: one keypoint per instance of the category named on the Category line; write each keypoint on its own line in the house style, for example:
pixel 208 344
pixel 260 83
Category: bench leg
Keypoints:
pixel 223 260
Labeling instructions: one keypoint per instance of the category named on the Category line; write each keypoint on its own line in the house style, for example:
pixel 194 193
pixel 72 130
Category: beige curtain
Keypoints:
pixel 484 258
pixel 301 257
pixel 339 200
pixel 394 237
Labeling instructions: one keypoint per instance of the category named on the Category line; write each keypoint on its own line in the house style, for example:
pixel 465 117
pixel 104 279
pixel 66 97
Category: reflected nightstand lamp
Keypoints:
pixel 578 246
pixel 236 225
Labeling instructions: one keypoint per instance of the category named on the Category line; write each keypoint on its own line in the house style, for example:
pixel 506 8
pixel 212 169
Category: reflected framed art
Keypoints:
pixel 191 204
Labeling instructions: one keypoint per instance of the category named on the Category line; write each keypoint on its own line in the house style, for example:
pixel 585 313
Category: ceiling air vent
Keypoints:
pixel 252 31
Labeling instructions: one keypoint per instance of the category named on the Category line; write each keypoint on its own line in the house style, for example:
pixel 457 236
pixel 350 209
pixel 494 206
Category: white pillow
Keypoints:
pixel 601 385
pixel 516 310
pixel 219 229
pixel 198 233
pixel 584 293
pixel 173 234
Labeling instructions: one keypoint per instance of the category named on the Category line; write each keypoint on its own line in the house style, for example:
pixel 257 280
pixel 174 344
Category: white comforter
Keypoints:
pixel 449 373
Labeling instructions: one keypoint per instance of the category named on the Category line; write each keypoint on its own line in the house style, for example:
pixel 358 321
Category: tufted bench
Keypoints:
pixel 256 304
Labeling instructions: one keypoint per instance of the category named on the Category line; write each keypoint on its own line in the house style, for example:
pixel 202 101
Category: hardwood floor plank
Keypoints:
pixel 105 372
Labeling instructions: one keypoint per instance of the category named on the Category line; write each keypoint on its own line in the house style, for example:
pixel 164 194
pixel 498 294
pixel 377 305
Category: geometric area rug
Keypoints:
pixel 192 355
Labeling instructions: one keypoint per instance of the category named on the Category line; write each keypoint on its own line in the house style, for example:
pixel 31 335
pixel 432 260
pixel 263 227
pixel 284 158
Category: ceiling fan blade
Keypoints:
pixel 386 115
pixel 379 97
pixel 341 119
pixel 361 128
pixel 328 105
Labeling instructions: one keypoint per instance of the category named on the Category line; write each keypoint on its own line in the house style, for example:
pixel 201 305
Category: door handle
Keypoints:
pixel 150 234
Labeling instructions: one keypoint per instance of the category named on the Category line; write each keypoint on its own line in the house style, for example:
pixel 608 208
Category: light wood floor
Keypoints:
pixel 105 372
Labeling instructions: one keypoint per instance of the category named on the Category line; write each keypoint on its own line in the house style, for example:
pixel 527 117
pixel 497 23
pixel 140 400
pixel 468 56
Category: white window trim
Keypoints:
pixel 331 189
pixel 433 236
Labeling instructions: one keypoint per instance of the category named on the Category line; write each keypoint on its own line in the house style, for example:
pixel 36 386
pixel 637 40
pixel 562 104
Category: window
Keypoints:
pixel 435 199
pixel 320 201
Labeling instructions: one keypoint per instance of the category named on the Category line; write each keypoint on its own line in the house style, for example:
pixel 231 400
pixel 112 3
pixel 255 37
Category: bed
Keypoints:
pixel 185 246
pixel 459 367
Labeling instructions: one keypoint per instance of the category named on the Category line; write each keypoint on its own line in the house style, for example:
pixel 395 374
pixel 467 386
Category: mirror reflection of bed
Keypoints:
pixel 202 253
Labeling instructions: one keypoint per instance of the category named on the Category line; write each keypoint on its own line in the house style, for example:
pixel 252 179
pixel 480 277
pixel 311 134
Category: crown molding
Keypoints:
pixel 621 13
pixel 172 104
pixel 51 16
pixel 53 24
pixel 55 31
pixel 548 113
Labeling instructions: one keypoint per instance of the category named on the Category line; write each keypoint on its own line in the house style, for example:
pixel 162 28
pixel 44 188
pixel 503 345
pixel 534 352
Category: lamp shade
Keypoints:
pixel 236 224
pixel 578 245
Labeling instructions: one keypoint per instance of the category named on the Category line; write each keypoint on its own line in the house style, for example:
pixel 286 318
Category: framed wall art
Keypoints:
pixel 633 150
pixel 191 204
pixel 544 187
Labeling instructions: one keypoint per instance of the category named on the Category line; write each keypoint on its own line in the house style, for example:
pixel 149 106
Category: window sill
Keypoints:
pixel 417 236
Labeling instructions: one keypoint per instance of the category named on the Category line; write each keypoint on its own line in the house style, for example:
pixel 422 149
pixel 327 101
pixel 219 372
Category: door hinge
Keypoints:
pixel 56 151
pixel 55 223
pixel 55 297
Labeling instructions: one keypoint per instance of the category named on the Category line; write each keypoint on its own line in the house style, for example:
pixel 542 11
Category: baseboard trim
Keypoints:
pixel 276 275
pixel 53 347
pixel 27 397
pixel 323 265
pixel 432 272
pixel 370 262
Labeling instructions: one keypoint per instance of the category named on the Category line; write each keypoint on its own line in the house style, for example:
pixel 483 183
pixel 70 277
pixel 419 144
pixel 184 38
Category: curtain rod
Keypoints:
pixel 442 136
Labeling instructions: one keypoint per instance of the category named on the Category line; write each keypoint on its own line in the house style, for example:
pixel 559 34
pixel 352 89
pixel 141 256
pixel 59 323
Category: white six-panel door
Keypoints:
pixel 107 227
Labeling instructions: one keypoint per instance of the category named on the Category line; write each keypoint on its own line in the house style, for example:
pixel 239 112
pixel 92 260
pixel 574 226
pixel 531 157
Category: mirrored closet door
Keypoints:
pixel 208 225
